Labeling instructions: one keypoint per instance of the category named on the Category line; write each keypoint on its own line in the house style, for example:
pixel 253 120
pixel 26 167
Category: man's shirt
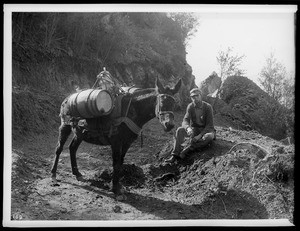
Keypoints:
pixel 199 115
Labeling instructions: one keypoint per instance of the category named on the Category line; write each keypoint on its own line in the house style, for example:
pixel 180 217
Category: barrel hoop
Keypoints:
pixel 94 105
pixel 112 102
pixel 86 105
pixel 75 105
pixel 90 104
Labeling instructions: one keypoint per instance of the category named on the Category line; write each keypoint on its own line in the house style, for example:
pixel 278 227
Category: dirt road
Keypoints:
pixel 192 189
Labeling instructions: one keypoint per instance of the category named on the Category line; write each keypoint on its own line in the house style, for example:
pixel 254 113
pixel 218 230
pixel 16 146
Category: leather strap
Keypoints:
pixel 133 127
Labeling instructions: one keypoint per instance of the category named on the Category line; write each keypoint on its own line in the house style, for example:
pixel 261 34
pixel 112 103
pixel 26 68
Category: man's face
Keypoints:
pixel 196 98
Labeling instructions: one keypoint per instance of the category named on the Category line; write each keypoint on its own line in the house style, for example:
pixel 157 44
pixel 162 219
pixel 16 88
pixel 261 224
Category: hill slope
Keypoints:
pixel 243 105
pixel 216 183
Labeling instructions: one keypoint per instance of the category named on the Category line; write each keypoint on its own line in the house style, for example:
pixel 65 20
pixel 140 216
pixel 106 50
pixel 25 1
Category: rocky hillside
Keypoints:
pixel 53 52
pixel 244 105
pixel 243 175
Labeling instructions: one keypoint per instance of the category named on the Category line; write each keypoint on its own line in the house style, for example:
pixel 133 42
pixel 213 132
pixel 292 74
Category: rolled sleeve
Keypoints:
pixel 209 122
pixel 187 117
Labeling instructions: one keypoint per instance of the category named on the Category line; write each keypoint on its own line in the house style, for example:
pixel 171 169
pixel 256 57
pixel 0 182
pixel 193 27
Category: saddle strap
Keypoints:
pixel 132 126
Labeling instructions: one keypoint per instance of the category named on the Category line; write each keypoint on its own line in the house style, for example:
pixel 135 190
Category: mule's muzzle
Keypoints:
pixel 168 126
pixel 167 121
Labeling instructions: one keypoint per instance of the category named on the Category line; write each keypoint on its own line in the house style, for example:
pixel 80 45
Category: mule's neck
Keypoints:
pixel 144 107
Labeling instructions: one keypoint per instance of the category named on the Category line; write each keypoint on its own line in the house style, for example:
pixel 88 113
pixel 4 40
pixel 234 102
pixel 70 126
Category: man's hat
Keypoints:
pixel 195 91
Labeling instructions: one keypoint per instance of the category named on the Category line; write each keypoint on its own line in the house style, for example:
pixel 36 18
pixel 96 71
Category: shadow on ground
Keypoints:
pixel 235 204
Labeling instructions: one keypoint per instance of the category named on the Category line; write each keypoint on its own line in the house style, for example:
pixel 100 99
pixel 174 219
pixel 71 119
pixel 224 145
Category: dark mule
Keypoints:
pixel 140 106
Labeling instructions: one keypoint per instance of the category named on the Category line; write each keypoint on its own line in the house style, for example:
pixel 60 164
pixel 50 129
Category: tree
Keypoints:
pixel 187 22
pixel 229 63
pixel 229 66
pixel 274 79
pixel 288 92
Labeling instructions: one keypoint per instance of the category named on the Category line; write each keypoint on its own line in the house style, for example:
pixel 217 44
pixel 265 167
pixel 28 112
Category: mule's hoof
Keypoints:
pixel 80 178
pixel 121 197
pixel 122 190
pixel 54 182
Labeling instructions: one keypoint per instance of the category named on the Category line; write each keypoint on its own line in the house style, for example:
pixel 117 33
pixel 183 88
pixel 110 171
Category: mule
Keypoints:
pixel 140 107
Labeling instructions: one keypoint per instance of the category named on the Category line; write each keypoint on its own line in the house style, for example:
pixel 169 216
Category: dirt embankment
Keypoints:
pixel 244 105
pixel 220 182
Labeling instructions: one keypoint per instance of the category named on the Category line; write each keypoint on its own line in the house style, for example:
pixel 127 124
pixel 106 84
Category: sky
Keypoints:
pixel 253 34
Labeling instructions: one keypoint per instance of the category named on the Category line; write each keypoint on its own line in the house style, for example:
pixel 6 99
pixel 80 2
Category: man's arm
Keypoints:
pixel 209 122
pixel 187 117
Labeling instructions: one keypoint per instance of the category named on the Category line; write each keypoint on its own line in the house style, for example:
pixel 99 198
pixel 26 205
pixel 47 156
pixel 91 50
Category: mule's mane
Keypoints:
pixel 144 93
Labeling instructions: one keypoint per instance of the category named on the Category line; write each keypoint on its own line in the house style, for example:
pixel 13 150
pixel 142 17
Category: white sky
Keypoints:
pixel 254 35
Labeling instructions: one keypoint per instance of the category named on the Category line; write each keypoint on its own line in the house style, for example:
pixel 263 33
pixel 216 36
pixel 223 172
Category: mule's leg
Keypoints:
pixel 117 168
pixel 76 141
pixel 124 150
pixel 118 154
pixel 64 132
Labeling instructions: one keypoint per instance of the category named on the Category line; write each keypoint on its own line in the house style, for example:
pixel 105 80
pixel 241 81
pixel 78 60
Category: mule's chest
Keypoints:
pixel 95 138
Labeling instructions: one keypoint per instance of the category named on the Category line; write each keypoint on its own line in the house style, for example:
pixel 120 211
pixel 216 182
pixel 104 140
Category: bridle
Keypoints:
pixel 159 110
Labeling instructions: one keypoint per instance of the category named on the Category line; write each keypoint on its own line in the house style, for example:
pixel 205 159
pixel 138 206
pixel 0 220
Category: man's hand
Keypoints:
pixel 189 131
pixel 197 138
pixel 205 136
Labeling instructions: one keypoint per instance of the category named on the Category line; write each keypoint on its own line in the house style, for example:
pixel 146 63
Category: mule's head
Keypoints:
pixel 165 104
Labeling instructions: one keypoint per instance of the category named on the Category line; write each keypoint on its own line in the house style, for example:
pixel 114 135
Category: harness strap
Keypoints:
pixel 124 119
pixel 128 107
pixel 133 127
pixel 158 111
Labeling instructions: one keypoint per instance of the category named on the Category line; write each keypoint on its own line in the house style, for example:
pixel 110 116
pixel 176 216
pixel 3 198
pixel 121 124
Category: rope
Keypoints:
pixel 128 107
pixel 247 144
pixel 96 82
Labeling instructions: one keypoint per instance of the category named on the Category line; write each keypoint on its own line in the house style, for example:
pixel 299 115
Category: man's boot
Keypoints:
pixel 171 159
pixel 184 152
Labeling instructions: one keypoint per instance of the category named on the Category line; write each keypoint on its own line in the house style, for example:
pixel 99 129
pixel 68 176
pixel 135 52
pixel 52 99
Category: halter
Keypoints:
pixel 159 110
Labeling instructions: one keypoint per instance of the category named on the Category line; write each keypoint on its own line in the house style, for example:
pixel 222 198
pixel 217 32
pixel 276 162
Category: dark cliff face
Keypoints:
pixel 54 51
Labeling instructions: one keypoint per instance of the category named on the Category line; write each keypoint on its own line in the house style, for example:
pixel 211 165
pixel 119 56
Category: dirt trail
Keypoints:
pixel 196 188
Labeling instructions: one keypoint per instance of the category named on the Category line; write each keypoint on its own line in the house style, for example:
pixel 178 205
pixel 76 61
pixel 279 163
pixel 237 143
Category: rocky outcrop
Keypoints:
pixel 210 85
pixel 243 105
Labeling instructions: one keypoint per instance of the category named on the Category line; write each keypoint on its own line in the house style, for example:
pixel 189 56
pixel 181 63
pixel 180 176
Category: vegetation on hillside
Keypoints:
pixel 277 83
pixel 52 52
pixel 229 63
pixel 106 39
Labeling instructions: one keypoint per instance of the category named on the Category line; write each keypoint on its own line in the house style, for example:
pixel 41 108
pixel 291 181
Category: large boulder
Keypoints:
pixel 242 104
pixel 210 85
pixel 249 103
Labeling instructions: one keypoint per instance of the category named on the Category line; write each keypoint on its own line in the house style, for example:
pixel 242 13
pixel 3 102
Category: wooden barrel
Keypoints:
pixel 90 103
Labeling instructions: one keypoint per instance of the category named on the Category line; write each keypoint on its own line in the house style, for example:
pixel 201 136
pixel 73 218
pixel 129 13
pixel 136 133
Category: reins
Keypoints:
pixel 158 108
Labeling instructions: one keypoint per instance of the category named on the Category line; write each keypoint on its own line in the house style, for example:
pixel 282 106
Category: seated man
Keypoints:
pixel 197 124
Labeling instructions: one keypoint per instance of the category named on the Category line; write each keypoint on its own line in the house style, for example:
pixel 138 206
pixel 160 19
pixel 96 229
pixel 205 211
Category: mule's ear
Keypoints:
pixel 177 87
pixel 158 86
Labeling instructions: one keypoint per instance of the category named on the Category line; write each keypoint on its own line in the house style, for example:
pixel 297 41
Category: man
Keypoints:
pixel 197 126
